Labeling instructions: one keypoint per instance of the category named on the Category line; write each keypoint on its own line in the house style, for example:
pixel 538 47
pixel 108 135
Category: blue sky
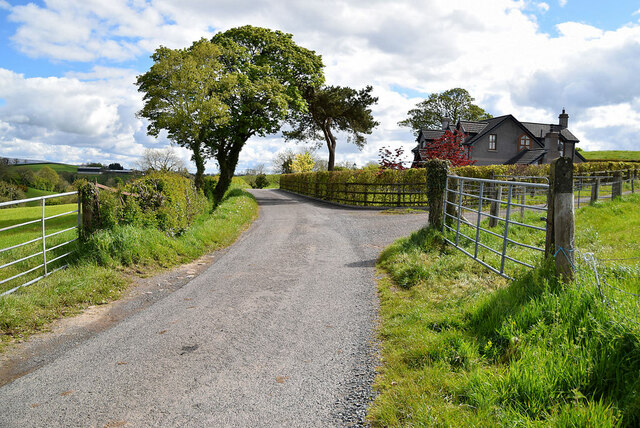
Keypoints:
pixel 68 67
pixel 606 15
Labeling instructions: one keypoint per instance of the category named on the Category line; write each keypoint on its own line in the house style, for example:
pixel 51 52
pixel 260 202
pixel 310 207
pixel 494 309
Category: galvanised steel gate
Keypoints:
pixel 480 219
pixel 6 253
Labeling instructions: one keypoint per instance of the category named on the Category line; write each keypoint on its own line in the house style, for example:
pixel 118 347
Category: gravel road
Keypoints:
pixel 279 331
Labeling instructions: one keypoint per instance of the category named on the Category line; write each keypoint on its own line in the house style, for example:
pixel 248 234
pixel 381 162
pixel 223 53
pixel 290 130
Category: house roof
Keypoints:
pixel 431 134
pixel 542 129
pixel 494 123
pixel 470 127
pixel 527 157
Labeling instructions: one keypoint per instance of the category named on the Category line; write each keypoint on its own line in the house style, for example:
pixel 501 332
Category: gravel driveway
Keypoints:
pixel 279 331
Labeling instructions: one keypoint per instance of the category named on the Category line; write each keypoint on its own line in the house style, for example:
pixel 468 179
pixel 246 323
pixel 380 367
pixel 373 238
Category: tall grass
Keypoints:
pixel 462 347
pixel 98 271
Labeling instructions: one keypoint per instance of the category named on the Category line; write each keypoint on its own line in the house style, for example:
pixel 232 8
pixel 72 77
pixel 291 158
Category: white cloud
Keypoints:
pixel 494 49
pixel 544 7
pixel 562 3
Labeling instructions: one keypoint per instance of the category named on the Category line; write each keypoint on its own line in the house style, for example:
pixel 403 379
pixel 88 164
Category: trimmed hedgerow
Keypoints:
pixel 489 171
pixel 408 187
pixel 361 187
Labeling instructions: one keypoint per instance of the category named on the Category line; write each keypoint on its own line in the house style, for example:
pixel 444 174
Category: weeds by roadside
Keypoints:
pixel 462 347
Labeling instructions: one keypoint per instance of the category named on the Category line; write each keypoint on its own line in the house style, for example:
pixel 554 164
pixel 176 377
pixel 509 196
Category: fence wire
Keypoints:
pixel 615 285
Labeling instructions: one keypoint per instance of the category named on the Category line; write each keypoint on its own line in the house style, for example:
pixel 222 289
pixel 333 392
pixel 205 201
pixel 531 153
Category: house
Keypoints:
pixel 506 140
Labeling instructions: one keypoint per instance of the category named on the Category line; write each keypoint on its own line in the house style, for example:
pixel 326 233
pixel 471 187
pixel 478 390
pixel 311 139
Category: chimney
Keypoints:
pixel 445 123
pixel 564 120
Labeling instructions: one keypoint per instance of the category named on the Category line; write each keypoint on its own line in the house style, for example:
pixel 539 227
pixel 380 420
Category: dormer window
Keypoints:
pixel 493 139
pixel 524 142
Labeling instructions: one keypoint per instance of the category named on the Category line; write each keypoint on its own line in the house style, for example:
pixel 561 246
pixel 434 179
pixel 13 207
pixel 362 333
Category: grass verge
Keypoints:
pixel 98 273
pixel 462 347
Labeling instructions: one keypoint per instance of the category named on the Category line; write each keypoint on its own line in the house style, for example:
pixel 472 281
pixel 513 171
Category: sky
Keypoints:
pixel 68 67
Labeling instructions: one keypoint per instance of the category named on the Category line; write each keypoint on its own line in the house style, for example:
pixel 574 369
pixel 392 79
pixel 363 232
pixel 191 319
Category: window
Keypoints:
pixel 524 143
pixel 561 147
pixel 492 141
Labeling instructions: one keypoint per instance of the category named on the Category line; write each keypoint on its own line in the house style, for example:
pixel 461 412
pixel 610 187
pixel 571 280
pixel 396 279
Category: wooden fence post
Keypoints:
pixel 437 171
pixel 595 190
pixel 616 187
pixel 494 210
pixel 561 217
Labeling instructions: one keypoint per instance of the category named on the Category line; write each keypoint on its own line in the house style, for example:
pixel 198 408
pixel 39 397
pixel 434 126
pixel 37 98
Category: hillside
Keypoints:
pixel 614 155
pixel 57 167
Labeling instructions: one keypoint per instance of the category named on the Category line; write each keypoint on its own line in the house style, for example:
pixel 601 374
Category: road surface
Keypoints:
pixel 278 331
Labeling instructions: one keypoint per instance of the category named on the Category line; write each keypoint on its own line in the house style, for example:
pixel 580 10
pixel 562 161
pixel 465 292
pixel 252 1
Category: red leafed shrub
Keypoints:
pixel 391 159
pixel 449 147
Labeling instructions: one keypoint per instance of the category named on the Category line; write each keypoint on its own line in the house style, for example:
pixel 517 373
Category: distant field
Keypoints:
pixel 54 166
pixel 12 216
pixel 34 193
pixel 614 155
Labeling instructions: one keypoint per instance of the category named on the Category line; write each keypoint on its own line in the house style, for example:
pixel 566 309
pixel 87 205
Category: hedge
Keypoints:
pixel 409 187
pixel 361 187
pixel 167 201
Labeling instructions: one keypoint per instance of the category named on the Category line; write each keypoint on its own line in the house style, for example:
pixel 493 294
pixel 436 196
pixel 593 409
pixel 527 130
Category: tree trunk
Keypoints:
pixel 331 145
pixel 199 160
pixel 227 161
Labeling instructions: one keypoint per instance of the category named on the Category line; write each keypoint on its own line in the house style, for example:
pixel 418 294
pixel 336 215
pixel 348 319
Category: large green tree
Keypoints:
pixel 184 94
pixel 334 108
pixel 454 104
pixel 270 70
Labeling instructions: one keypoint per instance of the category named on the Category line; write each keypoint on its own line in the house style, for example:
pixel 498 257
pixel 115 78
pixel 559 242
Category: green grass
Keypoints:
pixel 463 347
pixel 99 271
pixel 612 155
pixel 57 167
pixel 34 193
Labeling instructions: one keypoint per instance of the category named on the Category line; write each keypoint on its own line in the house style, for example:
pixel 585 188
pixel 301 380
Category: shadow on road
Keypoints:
pixel 275 201
pixel 362 263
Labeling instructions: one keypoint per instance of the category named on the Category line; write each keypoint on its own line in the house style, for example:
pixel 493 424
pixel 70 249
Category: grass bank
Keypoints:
pixel 612 155
pixel 98 274
pixel 464 347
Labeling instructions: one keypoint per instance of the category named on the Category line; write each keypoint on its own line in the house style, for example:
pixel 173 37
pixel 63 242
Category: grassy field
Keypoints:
pixel 464 347
pixel 99 270
pixel 612 155
pixel 34 193
pixel 57 167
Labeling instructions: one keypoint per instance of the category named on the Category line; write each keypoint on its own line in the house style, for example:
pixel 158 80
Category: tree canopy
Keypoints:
pixel 334 108
pixel 185 92
pixel 215 95
pixel 454 104
pixel 271 70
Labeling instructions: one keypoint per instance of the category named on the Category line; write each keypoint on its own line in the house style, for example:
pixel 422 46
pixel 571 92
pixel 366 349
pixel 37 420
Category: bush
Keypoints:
pixel 260 182
pixel 208 185
pixel 10 192
pixel 166 201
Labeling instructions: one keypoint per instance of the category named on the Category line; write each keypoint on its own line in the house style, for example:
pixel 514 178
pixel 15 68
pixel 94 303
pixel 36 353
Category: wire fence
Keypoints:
pixel 614 282
pixel 49 230
pixel 492 222
pixel 595 185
